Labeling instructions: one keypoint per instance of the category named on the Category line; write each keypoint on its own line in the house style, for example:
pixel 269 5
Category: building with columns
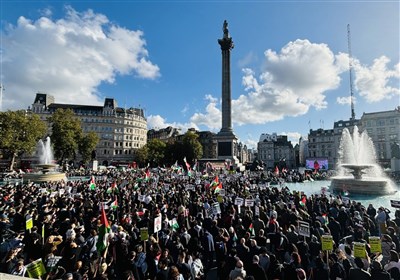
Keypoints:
pixel 121 131
pixel 276 150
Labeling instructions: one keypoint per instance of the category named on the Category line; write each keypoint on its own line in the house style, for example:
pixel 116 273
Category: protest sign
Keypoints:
pixel 239 201
pixel 359 250
pixel 157 224
pixel 375 244
pixel 28 222
pixel 249 202
pixel 144 234
pixel 36 269
pixel 395 203
pixel 327 242
pixel 304 229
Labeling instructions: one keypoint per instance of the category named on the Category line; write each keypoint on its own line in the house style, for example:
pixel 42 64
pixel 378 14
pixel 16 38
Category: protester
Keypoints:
pixel 106 230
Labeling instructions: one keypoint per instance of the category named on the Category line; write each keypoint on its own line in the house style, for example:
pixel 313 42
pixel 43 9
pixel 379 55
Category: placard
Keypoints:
pixel 359 250
pixel 304 229
pixel 28 222
pixel 375 244
pixel 239 201
pixel 144 234
pixel 395 203
pixel 249 202
pixel 216 208
pixel 327 242
pixel 257 211
pixel 157 223
pixel 36 269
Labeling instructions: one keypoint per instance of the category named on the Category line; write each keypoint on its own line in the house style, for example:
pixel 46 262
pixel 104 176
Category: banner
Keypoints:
pixel 36 269
pixel 216 208
pixel 375 244
pixel 359 250
pixel 327 242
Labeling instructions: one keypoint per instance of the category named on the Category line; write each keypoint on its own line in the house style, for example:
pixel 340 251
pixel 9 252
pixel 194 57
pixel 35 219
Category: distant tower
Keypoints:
pixel 353 115
pixel 227 141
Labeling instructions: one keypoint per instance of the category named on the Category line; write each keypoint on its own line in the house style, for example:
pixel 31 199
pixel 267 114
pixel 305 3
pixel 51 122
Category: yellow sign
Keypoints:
pixel 359 250
pixel 375 244
pixel 29 223
pixel 220 199
pixel 327 242
pixel 144 234
pixel 36 269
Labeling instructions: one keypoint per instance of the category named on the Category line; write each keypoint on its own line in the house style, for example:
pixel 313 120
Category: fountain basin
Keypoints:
pixel 366 185
pixel 44 177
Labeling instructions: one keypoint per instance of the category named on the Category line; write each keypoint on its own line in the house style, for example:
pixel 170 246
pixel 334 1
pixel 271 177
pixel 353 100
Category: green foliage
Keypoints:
pixel 142 155
pixel 66 134
pixel 156 151
pixel 191 146
pixel 87 145
pixel 20 132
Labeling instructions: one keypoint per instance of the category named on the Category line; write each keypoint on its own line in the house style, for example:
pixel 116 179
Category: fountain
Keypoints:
pixel 358 172
pixel 46 169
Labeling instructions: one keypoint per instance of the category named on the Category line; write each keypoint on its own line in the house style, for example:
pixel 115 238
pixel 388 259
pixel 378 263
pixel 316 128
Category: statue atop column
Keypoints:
pixel 225 29
pixel 226 42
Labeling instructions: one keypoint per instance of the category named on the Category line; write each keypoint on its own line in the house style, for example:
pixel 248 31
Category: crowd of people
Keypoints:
pixel 218 225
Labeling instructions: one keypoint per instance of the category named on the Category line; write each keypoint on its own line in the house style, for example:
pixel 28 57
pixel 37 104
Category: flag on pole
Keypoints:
pixel 251 230
pixel 218 188
pixel 104 229
pixel 215 183
pixel 189 173
pixel 113 188
pixel 114 204
pixel 195 167
pixel 92 184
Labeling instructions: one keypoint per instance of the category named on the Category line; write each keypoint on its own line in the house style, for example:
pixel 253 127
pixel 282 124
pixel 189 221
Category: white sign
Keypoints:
pixel 395 203
pixel 257 211
pixel 304 229
pixel 157 224
pixel 216 208
pixel 249 202
pixel 239 201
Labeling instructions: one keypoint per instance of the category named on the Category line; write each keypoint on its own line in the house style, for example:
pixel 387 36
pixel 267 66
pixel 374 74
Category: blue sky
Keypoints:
pixel 289 66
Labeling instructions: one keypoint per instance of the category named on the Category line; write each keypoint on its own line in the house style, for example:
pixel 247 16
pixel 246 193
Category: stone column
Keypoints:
pixel 226 44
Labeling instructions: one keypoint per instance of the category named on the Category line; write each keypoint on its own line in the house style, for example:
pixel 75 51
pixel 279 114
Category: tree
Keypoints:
pixel 87 145
pixel 156 151
pixel 191 147
pixel 66 133
pixel 19 133
pixel 142 155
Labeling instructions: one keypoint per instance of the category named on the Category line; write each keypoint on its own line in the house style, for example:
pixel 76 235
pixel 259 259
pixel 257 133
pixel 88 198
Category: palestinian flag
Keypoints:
pixel 104 229
pixel 303 201
pixel 174 224
pixel 147 175
pixel 251 230
pixel 92 185
pixel 114 204
pixel 276 170
pixel 214 183
pixel 113 188
pixel 194 166
pixel 218 188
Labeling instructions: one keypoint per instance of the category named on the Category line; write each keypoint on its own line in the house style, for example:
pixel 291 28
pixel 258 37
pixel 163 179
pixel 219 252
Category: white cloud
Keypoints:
pixel 292 136
pixel 374 83
pixel 212 118
pixel 345 100
pixel 158 122
pixel 69 57
pixel 293 80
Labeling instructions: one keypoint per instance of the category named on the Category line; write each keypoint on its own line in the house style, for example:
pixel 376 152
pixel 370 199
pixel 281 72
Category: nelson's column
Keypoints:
pixel 226 139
